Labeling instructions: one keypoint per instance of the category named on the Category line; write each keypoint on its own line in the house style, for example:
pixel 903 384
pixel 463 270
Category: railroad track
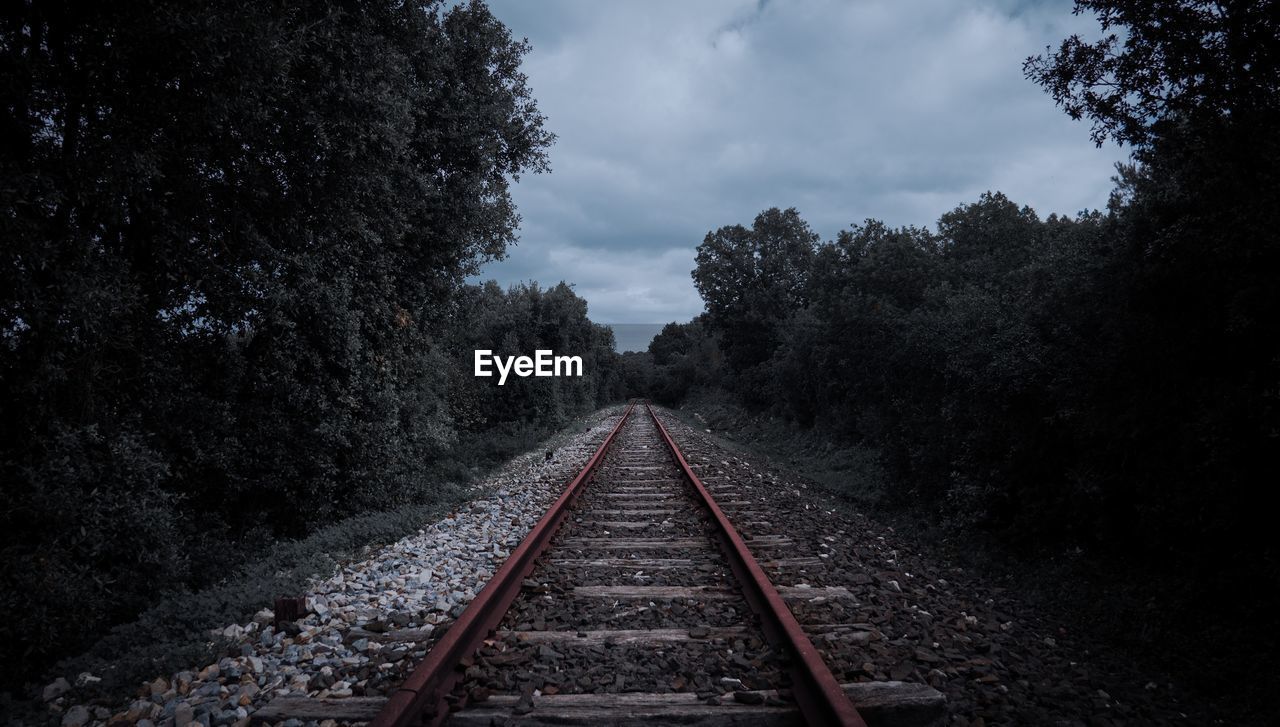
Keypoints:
pixel 635 600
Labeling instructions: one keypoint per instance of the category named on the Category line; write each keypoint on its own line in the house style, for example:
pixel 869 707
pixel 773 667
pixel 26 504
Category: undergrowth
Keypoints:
pixel 174 633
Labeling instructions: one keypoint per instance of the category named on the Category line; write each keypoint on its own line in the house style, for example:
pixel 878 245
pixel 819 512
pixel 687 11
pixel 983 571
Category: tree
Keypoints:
pixel 682 356
pixel 1180 60
pixel 516 322
pixel 673 341
pixel 1177 423
pixel 751 279
pixel 1104 384
pixel 231 235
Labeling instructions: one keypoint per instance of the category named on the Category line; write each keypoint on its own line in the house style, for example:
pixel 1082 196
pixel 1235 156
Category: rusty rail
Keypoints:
pixel 816 690
pixel 421 698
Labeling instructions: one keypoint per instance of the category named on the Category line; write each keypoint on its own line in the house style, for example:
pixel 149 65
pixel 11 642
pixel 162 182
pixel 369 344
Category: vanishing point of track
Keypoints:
pixel 642 480
pixel 634 600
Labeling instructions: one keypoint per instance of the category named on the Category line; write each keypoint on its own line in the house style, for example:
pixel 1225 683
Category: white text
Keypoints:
pixel 543 363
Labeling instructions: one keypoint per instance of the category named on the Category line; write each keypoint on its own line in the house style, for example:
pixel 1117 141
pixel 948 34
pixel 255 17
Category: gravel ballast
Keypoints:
pixel 903 616
pixel 915 618
pixel 368 623
pixel 637 510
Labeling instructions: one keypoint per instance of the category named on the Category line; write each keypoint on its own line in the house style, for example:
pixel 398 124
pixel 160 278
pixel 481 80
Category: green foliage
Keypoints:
pixel 1164 62
pixel 681 357
pixel 234 239
pixel 518 322
pixel 171 633
pixel 638 378
pixel 751 279
pixel 1105 382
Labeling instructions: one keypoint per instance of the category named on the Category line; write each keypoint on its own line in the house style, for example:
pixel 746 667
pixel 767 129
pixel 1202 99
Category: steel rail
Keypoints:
pixel 816 690
pixel 421 698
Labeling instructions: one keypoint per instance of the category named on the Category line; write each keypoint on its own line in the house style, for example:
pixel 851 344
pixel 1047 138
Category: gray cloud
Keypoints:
pixel 675 118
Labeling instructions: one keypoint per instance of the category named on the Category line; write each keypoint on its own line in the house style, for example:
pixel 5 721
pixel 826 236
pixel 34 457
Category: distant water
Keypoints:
pixel 633 336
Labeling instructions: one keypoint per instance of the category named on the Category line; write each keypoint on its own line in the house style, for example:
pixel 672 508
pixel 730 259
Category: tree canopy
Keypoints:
pixel 235 240
pixel 1103 383
pixel 751 278
pixel 1166 61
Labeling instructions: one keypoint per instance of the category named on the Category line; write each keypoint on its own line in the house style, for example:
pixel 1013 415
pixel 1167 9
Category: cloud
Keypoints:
pixel 675 118
pixel 641 285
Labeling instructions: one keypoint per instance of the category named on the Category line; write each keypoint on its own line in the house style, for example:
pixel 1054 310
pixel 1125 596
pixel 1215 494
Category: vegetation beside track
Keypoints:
pixel 1098 387
pixel 234 306
pixel 173 632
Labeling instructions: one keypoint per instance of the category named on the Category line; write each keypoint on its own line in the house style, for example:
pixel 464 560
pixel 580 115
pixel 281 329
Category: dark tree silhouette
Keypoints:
pixel 751 279
pixel 1178 60
pixel 235 235
pixel 1103 384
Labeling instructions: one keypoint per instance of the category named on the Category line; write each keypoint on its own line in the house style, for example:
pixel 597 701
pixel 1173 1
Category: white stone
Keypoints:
pixel 443 563
pixel 56 689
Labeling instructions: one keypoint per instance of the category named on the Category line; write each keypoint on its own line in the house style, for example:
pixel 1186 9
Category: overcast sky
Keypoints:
pixel 676 117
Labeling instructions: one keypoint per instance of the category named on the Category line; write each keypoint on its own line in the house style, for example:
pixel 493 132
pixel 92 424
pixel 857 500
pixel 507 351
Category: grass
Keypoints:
pixel 850 473
pixel 1128 610
pixel 174 633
